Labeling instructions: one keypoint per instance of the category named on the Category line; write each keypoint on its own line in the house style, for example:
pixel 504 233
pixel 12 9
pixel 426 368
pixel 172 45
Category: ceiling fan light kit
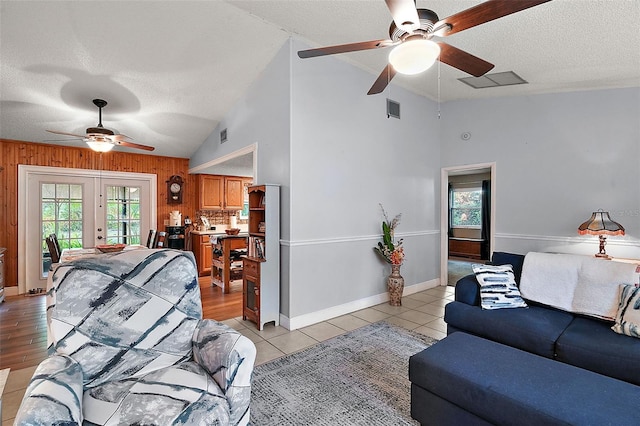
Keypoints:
pixel 414 56
pixel 99 146
pixel 103 139
pixel 412 30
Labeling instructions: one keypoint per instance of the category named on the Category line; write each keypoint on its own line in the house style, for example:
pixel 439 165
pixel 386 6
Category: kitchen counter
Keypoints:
pixel 225 236
pixel 211 232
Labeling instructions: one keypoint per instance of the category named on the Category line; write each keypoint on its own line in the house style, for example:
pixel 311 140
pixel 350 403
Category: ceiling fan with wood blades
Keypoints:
pixel 411 32
pixel 102 139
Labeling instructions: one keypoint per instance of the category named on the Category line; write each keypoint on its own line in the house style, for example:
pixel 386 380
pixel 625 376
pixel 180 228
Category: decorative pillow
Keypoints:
pixel 497 287
pixel 628 317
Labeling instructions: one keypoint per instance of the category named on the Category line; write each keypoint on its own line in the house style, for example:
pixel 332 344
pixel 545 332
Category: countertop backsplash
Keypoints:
pixel 217 217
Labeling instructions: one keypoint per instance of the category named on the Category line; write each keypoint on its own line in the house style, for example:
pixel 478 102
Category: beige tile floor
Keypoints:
pixel 421 312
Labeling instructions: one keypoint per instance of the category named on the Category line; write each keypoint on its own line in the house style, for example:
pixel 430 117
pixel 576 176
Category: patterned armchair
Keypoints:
pixel 129 346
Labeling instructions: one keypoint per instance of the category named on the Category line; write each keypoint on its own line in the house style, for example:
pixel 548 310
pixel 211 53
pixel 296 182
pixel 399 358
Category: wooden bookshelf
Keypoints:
pixel 261 266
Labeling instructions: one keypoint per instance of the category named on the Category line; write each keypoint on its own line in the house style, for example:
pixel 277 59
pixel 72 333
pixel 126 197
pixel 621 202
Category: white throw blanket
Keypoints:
pixel 575 283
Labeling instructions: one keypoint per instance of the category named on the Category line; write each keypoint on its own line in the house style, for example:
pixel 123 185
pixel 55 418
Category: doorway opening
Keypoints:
pixel 467 225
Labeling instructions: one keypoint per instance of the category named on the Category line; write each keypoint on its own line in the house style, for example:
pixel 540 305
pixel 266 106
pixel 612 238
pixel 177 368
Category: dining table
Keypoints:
pixel 70 254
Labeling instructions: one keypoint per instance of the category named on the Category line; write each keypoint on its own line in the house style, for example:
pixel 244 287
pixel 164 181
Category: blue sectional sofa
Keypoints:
pixel 574 339
pixel 538 365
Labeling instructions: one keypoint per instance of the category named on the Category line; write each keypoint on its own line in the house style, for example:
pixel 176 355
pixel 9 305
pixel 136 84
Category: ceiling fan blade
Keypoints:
pixel 462 60
pixel 484 12
pixel 133 145
pixel 344 48
pixel 120 136
pixel 383 80
pixel 404 14
pixel 67 134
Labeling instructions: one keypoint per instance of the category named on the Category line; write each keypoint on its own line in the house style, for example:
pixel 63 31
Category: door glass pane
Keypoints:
pixel 60 214
pixel 123 215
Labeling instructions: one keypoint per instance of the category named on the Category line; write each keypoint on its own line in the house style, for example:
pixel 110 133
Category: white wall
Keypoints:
pixel 559 157
pixel 337 156
pixel 346 158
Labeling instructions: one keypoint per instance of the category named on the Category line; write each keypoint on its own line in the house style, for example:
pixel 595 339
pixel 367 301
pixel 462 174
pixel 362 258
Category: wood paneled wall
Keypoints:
pixel 13 153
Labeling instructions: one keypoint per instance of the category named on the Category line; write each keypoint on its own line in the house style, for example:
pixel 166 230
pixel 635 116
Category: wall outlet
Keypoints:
pixel 166 222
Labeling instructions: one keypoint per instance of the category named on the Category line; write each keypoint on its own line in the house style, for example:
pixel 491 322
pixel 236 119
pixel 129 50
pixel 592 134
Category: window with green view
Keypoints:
pixel 466 208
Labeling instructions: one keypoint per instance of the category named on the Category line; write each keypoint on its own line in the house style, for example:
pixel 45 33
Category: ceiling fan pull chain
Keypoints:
pixel 100 180
pixel 439 90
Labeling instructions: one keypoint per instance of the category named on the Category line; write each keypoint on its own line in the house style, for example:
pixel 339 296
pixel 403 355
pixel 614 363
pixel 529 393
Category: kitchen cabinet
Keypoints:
pixel 233 192
pixel 261 266
pixel 203 253
pixel 220 192
pixel 211 192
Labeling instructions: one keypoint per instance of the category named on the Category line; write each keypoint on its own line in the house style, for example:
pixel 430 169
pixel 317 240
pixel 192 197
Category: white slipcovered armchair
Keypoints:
pixel 129 346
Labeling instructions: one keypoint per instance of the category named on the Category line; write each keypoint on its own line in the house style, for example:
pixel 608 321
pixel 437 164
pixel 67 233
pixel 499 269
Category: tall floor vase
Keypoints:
pixel 395 286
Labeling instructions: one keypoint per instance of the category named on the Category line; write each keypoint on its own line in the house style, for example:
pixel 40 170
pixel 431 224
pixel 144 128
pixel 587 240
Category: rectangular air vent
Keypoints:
pixel 507 78
pixel 393 109
pixel 223 136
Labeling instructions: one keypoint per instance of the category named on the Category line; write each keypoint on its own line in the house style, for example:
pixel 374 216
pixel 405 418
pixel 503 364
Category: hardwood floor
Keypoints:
pixel 23 322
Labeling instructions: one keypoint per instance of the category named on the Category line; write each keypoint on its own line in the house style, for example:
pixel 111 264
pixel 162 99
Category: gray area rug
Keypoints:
pixel 358 378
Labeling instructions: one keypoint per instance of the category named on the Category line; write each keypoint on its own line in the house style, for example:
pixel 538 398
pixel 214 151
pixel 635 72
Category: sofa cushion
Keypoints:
pixel 591 344
pixel 125 314
pixel 507 386
pixel 628 316
pixel 182 394
pixel 535 329
pixel 515 260
pixel 498 288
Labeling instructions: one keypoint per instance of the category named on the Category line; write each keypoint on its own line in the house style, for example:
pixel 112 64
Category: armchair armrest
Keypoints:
pixel 54 394
pixel 228 357
pixel 468 290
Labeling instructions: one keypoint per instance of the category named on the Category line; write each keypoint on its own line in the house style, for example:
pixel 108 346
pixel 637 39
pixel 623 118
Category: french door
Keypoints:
pixel 83 208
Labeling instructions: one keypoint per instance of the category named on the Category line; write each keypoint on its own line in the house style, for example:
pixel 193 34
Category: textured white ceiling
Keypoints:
pixel 171 70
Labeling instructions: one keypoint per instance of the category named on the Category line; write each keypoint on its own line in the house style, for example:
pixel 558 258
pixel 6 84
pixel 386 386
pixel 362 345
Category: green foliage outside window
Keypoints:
pixel 466 208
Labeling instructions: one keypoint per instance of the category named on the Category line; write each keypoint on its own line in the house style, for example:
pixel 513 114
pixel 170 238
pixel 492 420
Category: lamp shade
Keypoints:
pixel 414 56
pixel 600 224
pixel 99 146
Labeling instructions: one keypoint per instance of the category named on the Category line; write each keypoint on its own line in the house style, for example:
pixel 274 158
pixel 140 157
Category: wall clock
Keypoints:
pixel 174 190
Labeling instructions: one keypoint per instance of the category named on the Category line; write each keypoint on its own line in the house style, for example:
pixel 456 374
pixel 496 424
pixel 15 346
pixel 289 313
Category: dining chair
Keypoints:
pixel 54 237
pixel 188 237
pixel 152 238
pixel 54 248
pixel 161 236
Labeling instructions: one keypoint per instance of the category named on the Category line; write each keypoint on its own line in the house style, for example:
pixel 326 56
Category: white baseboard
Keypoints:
pixel 347 308
pixel 11 291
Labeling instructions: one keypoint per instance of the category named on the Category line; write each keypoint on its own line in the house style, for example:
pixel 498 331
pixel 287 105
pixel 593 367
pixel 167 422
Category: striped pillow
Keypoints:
pixel 628 316
pixel 497 287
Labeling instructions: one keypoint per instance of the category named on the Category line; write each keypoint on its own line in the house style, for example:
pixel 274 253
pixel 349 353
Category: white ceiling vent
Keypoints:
pixel 507 78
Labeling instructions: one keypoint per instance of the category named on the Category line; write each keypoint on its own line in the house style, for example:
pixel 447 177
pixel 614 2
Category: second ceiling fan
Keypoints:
pixel 102 139
pixel 412 30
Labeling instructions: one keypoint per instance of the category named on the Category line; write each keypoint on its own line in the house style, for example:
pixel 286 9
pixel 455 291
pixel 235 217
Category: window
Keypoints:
pixel 60 214
pixel 466 206
pixel 123 215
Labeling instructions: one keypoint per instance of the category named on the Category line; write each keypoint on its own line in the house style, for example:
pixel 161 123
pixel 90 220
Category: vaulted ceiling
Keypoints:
pixel 171 70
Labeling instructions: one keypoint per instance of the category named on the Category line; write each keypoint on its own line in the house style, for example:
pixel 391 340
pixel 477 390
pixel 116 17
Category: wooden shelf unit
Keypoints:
pixel 261 266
